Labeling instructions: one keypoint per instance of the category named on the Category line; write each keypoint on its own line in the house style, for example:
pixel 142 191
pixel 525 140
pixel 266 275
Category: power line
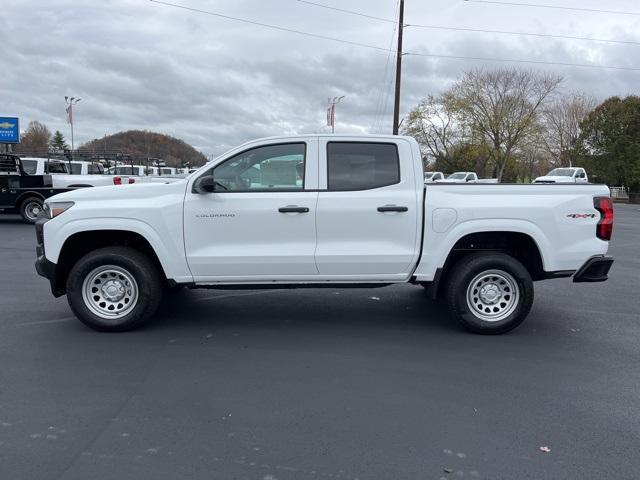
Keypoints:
pixel 350 12
pixel 557 7
pixel 527 34
pixel 383 49
pixel 267 25
pixel 514 60
pixel 474 30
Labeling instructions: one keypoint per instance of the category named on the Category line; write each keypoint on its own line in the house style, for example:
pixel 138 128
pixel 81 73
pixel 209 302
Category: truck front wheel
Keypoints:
pixel 489 293
pixel 114 289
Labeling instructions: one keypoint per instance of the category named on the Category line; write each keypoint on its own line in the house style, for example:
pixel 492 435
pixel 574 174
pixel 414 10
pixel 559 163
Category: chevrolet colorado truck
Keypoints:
pixel 314 211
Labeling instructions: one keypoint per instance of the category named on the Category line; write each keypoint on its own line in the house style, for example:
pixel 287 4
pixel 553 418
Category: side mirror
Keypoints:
pixel 204 184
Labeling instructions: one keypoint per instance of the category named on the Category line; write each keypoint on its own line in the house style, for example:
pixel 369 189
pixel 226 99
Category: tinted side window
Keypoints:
pixel 76 168
pixel 361 166
pixel 126 170
pixel 30 166
pixel 268 168
pixel 55 167
pixel 95 169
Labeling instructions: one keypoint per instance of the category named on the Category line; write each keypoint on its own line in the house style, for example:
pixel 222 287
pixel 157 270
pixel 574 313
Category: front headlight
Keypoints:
pixel 53 209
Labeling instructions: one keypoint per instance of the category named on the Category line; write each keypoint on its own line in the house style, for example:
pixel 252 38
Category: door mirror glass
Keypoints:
pixel 204 184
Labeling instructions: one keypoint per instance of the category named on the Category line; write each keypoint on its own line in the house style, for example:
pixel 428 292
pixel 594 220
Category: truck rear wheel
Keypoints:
pixel 489 294
pixel 30 208
pixel 114 289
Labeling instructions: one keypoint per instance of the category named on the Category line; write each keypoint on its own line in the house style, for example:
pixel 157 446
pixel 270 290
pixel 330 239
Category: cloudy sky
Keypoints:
pixel 215 82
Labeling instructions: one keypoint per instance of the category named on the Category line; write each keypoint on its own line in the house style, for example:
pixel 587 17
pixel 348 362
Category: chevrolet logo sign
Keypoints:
pixel 7 125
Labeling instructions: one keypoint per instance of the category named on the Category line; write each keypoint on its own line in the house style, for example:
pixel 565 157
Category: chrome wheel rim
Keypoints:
pixel 493 295
pixel 110 292
pixel 32 210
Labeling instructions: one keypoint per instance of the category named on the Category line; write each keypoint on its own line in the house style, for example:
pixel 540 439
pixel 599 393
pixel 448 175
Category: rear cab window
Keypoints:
pixel 361 165
pixel 30 167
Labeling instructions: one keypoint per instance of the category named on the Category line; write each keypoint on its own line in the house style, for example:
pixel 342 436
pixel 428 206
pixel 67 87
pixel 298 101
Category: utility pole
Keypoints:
pixel 331 112
pixel 396 107
pixel 70 102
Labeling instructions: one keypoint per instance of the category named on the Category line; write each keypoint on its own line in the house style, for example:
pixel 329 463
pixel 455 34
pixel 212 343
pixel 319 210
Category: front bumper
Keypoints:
pixel 595 269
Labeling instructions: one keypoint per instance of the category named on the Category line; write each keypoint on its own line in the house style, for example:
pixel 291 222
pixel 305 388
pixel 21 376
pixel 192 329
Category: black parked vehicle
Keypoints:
pixel 21 192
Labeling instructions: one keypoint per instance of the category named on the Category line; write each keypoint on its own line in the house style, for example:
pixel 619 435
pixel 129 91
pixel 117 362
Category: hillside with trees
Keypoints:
pixel 174 151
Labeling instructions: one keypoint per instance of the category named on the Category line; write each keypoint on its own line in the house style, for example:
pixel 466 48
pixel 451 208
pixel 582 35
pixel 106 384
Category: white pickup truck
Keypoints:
pixel 309 211
pixel 564 175
pixel 66 174
pixel 466 177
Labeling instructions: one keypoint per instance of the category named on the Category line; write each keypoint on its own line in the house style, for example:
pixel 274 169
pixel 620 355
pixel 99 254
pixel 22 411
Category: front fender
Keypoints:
pixel 167 247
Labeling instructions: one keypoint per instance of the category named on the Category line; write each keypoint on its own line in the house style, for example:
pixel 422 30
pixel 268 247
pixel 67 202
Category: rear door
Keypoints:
pixel 369 209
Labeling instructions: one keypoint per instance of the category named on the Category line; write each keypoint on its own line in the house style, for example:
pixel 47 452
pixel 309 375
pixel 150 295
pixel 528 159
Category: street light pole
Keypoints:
pixel 70 102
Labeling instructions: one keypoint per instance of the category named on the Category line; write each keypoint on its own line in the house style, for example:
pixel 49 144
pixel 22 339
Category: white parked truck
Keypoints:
pixel 564 175
pixel 66 174
pixel 466 177
pixel 318 210
pixel 430 177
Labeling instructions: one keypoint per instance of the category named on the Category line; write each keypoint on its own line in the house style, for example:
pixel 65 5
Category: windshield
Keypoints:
pixel 457 176
pixel 427 176
pixel 562 172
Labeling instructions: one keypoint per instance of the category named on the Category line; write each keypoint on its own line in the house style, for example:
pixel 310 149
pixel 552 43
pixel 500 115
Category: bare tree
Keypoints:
pixel 35 138
pixel 434 125
pixel 561 120
pixel 503 107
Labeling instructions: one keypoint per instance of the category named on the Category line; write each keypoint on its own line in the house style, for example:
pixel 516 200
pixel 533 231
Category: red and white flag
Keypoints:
pixel 331 115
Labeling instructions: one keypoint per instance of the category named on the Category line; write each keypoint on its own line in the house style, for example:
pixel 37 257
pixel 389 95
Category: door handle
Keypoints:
pixel 393 208
pixel 293 209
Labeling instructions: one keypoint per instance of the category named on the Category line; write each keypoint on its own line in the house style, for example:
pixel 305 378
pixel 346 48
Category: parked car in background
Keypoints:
pixel 127 174
pixel 433 176
pixel 564 175
pixel 60 171
pixel 43 166
pixel 81 167
pixel 315 210
pixel 22 192
pixel 466 177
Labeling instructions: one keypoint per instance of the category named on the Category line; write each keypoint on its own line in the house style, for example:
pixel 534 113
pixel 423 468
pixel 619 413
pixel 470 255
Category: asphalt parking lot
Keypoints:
pixel 321 384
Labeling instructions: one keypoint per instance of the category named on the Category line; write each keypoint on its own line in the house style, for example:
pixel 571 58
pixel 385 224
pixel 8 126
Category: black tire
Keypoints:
pixel 148 284
pixel 490 293
pixel 27 208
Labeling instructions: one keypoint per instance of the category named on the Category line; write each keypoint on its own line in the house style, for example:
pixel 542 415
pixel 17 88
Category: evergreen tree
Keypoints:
pixel 58 142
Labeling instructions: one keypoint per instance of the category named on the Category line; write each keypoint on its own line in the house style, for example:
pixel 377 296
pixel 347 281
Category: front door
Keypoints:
pixel 260 219
pixel 369 210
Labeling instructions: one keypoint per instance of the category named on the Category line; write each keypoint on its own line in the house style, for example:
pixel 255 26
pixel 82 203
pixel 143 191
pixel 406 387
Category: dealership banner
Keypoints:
pixel 9 130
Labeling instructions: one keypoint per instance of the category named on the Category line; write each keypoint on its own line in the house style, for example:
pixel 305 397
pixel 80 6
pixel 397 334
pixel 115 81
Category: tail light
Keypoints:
pixel 117 180
pixel 604 229
pixel 132 180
